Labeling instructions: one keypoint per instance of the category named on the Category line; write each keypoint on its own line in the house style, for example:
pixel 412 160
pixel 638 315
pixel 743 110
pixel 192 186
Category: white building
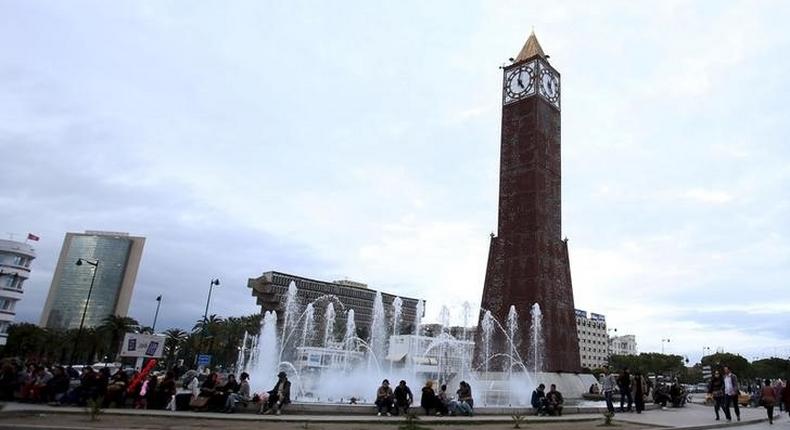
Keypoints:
pixel 15 259
pixel 623 345
pixel 593 339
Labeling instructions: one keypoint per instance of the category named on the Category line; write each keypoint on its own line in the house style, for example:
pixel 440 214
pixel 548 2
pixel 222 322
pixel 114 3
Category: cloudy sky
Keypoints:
pixel 360 140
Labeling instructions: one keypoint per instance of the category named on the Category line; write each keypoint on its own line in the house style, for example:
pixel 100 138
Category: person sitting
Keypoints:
pixel 220 397
pixel 58 385
pixel 466 402
pixel 538 400
pixel 207 390
pixel 428 398
pixel 594 389
pixel 384 398
pixel 661 395
pixel 241 395
pixel 166 392
pixel 279 396
pixel 116 390
pixel 403 398
pixel 554 401
pixel 442 400
pixel 676 394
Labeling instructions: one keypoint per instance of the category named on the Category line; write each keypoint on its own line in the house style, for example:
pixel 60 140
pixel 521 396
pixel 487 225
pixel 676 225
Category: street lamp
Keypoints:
pixel 158 303
pixel 210 287
pixel 205 314
pixel 95 265
pixel 662 344
pixel 705 351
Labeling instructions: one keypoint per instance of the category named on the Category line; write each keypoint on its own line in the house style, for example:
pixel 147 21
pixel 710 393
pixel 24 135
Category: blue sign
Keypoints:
pixel 203 360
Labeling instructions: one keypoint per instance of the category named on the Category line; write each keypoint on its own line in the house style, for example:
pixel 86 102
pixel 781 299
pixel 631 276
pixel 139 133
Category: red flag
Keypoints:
pixel 31 236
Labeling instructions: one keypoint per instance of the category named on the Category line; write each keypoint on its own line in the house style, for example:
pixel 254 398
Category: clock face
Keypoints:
pixel 550 86
pixel 519 82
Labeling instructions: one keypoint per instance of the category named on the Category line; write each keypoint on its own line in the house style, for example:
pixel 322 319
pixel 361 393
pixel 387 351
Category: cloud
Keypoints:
pixel 340 141
pixel 708 196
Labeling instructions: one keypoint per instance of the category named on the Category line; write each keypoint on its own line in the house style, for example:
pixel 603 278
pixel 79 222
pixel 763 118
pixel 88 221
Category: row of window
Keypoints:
pixel 7 305
pixel 15 260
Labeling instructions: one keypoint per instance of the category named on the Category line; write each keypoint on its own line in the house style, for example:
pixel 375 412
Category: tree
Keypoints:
pixel 736 363
pixel 647 363
pixel 174 344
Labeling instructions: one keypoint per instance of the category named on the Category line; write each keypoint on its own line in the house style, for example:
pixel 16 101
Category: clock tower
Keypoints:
pixel 528 259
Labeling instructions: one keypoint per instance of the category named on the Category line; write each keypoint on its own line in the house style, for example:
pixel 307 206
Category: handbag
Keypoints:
pixel 198 402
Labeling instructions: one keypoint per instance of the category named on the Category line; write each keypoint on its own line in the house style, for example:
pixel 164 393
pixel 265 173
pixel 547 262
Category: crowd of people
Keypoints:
pixel 181 389
pixel 398 401
pixel 106 386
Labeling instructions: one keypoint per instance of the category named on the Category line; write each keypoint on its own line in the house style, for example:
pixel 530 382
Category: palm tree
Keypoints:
pixel 115 327
pixel 174 340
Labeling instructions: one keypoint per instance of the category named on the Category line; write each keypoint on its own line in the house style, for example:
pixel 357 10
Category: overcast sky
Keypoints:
pixel 356 140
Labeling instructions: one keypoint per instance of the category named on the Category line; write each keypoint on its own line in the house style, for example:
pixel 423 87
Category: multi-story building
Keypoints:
pixel 98 268
pixel 623 345
pixel 15 259
pixel 271 288
pixel 593 339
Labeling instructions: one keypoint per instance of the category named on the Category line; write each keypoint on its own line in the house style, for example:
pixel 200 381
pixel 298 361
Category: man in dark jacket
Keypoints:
pixel 624 382
pixel 280 395
pixel 554 401
pixel 403 398
pixel 538 400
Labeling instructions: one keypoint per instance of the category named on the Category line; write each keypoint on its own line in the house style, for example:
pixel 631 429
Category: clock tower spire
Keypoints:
pixel 530 49
pixel 528 259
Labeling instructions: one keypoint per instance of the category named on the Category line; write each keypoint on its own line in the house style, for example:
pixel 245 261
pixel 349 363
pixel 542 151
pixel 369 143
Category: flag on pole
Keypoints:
pixel 159 299
pixel 31 236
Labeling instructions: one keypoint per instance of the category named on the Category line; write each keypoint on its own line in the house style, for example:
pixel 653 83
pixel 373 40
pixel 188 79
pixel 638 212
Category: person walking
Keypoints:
pixel 786 398
pixel 716 390
pixel 607 386
pixel 731 393
pixel 779 388
pixel 768 400
pixel 639 392
pixel 624 382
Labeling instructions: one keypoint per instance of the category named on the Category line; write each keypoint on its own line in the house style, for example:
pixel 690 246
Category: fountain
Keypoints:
pixel 378 330
pixel 536 341
pixel 397 311
pixel 309 325
pixel 329 325
pixel 324 369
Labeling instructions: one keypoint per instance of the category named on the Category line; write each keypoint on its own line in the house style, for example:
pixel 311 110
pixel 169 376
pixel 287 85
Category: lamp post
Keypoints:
pixel 95 265
pixel 609 340
pixel 205 314
pixel 662 344
pixel 208 300
pixel 705 349
pixel 158 303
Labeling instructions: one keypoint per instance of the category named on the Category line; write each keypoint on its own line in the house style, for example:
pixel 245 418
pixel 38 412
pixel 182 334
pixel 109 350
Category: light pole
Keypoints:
pixel 158 303
pixel 205 314
pixel 705 349
pixel 95 265
pixel 662 344
pixel 208 300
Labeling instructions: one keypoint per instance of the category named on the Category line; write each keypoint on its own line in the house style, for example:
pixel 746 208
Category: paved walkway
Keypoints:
pixel 696 417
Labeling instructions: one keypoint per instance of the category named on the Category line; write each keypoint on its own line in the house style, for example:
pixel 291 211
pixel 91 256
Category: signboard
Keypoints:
pixel 581 314
pixel 597 317
pixel 203 360
pixel 142 345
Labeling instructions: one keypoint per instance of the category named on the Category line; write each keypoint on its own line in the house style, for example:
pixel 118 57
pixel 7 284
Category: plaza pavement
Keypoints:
pixel 691 417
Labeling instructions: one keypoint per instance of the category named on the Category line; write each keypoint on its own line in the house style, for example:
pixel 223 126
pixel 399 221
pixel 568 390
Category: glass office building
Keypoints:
pixel 116 257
